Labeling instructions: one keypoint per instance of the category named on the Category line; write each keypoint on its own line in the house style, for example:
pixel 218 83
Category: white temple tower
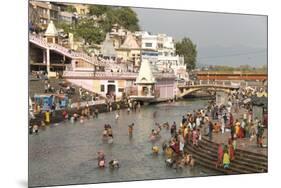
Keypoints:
pixel 51 34
pixel 145 80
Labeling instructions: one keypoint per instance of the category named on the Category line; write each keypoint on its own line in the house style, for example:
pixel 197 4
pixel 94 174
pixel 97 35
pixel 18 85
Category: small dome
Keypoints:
pixel 51 30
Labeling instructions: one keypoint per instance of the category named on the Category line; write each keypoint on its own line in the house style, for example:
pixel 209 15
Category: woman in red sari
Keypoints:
pixel 220 155
pixel 231 150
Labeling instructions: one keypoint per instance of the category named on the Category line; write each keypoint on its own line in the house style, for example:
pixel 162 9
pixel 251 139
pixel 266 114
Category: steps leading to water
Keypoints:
pixel 245 162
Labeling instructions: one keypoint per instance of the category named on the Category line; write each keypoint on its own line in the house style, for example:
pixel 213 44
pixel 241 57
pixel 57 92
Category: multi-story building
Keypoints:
pixel 41 13
pixel 118 35
pixel 149 46
pixel 129 51
pixel 81 9
pixel 66 17
pixel 159 50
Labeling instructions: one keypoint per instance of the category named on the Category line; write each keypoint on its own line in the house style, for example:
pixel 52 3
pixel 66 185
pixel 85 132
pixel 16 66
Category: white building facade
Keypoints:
pixel 160 51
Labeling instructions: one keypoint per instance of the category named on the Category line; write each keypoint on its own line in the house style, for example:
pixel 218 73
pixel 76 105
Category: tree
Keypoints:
pixel 89 31
pixel 98 10
pixel 93 30
pixel 127 18
pixel 67 28
pixel 124 16
pixel 188 50
pixel 70 8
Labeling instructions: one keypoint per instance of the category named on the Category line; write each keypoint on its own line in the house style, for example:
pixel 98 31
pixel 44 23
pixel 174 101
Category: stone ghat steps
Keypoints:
pixel 257 162
pixel 208 161
pixel 239 153
pixel 244 162
pixel 37 87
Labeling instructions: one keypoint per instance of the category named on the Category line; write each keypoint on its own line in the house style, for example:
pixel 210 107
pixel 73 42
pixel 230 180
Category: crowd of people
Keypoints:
pixel 212 119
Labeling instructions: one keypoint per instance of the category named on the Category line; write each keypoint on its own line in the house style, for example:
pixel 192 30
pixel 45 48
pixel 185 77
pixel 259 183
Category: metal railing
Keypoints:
pixel 100 74
pixel 65 51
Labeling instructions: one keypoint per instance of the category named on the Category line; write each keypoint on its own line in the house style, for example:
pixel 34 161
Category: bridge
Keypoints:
pixel 209 87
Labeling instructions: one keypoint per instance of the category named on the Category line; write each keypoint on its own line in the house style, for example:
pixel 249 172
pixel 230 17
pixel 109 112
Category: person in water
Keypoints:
pixel 130 129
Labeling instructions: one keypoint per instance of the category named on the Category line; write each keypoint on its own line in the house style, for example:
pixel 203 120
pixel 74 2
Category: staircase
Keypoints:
pixel 37 87
pixel 39 41
pixel 245 162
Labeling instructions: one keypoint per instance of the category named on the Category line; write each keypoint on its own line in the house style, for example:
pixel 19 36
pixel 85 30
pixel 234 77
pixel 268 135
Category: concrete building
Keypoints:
pixel 107 48
pixel 149 49
pixel 118 35
pixel 41 13
pixel 66 17
pixel 81 9
pixel 160 51
pixel 129 51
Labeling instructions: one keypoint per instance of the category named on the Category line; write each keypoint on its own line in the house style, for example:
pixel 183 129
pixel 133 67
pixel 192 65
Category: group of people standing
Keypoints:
pixel 225 154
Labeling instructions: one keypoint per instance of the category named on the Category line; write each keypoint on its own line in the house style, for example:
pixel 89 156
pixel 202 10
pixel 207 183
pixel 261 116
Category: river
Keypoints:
pixel 65 153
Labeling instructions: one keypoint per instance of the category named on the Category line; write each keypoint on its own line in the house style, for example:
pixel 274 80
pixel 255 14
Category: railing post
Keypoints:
pixel 48 60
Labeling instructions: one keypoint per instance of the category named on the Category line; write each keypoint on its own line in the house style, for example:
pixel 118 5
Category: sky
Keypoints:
pixel 221 39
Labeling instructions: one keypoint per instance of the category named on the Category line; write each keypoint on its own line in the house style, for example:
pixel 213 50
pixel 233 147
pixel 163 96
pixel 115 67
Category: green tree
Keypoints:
pixel 124 16
pixel 98 10
pixel 188 50
pixel 70 8
pixel 89 31
pixel 93 31
pixel 127 18
pixel 67 28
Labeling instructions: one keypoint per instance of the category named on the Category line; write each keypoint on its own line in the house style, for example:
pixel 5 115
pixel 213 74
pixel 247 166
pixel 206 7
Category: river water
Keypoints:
pixel 65 153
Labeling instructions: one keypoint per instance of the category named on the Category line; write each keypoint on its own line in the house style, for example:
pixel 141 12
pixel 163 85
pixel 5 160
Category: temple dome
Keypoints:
pixel 145 75
pixel 51 30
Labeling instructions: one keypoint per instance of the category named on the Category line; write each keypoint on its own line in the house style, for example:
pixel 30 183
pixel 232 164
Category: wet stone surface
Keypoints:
pixel 66 153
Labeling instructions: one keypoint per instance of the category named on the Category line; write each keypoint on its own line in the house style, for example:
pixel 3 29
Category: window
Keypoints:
pixel 148 44
pixel 121 90
pixel 49 40
pixel 102 88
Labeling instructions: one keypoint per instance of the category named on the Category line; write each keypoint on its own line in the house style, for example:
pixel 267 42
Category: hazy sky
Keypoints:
pixel 229 39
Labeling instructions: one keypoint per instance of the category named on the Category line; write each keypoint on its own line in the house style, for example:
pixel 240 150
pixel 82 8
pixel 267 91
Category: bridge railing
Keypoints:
pixel 210 83
pixel 100 74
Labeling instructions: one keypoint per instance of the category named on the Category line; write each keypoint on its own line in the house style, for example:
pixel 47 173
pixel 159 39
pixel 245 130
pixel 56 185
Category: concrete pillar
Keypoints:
pixel 48 60
pixel 73 64
pixel 44 57
pixel 116 89
pixel 149 90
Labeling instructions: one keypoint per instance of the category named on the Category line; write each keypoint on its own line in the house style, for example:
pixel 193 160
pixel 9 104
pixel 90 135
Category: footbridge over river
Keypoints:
pixel 209 87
